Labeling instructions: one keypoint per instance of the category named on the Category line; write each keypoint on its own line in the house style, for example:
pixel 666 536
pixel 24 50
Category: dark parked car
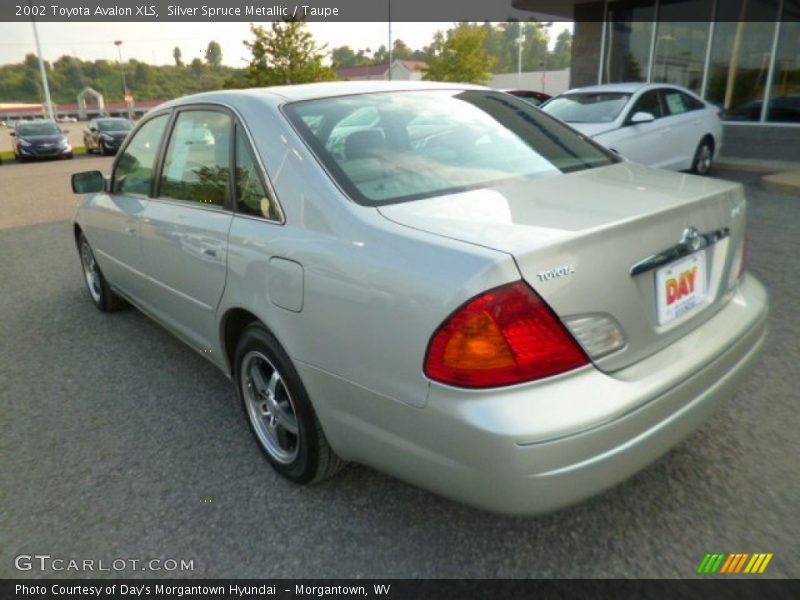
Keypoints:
pixel 106 135
pixel 781 108
pixel 40 139
pixel 531 97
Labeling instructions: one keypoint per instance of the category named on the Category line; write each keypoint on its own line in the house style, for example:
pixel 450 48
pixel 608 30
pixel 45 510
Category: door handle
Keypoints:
pixel 210 252
pixel 130 230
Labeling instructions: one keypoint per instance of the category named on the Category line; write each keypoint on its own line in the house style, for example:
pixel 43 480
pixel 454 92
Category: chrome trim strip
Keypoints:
pixel 678 251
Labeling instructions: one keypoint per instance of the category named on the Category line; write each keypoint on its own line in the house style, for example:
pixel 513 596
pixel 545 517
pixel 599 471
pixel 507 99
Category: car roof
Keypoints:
pixel 313 91
pixel 35 122
pixel 630 87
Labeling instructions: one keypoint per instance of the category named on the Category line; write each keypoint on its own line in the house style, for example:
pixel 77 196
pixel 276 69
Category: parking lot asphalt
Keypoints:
pixel 119 442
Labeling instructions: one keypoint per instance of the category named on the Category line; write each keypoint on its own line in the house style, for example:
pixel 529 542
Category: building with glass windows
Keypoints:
pixel 742 55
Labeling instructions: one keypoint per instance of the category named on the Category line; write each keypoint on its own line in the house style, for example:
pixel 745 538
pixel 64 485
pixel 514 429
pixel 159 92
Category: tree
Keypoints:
pixel 285 53
pixel 176 54
pixel 197 66
pixel 381 55
pixel 460 57
pixel 143 75
pixel 401 51
pixel 343 56
pixel 561 57
pixel 214 54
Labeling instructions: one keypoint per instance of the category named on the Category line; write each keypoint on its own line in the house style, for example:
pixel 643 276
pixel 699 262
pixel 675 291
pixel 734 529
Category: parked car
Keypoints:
pixel 106 135
pixel 531 97
pixel 653 124
pixel 40 139
pixel 781 109
pixel 67 119
pixel 498 309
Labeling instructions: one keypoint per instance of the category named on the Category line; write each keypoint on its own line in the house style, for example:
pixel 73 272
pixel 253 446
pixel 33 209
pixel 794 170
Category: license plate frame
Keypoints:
pixel 681 287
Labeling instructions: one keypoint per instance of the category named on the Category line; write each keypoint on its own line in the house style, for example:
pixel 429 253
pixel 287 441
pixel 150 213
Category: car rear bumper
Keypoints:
pixel 542 446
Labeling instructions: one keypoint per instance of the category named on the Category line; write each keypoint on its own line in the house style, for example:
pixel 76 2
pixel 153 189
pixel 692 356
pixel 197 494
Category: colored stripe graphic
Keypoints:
pixel 734 563
pixel 740 564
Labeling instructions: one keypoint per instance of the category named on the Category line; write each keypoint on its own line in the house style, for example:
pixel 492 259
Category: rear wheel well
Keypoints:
pixel 236 320
pixel 77 231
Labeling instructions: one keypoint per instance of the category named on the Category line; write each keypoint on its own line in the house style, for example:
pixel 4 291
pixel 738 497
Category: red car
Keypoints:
pixel 531 97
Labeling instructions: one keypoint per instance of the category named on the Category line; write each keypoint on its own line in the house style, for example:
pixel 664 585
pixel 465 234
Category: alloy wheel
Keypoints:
pixel 270 407
pixel 91 273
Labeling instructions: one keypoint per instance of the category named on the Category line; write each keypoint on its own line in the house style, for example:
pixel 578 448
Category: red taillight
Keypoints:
pixel 507 335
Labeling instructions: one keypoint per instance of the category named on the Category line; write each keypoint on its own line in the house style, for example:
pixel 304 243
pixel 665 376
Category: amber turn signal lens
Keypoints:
pixel 505 336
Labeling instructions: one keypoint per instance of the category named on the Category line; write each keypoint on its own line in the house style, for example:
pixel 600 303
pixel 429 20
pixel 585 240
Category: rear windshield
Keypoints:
pixel 587 108
pixel 396 146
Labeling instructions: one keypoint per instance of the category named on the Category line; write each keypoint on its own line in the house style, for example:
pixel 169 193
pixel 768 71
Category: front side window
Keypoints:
pixel 602 107
pixel 252 197
pixel 399 146
pixel 649 102
pixel 197 161
pixel 134 172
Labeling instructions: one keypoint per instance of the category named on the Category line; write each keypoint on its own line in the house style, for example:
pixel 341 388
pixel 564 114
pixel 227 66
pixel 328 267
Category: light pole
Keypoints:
pixel 391 49
pixel 118 44
pixel 520 42
pixel 547 27
pixel 43 72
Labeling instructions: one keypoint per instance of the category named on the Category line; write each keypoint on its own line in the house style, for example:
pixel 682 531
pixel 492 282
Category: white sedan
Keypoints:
pixel 653 124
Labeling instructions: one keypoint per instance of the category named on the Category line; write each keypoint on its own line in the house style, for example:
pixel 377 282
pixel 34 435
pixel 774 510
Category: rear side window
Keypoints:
pixel 197 162
pixel 134 172
pixel 252 197
pixel 678 103
pixel 389 147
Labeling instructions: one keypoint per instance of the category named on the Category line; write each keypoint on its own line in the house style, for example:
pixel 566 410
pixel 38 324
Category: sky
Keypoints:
pixel 153 42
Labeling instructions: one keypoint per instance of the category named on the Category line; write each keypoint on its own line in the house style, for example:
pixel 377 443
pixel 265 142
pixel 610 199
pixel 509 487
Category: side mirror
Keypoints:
pixel 88 182
pixel 93 129
pixel 642 117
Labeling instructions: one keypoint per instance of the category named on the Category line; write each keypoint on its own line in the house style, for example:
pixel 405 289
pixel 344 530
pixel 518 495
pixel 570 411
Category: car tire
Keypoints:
pixel 279 411
pixel 87 146
pixel 102 149
pixel 99 291
pixel 703 157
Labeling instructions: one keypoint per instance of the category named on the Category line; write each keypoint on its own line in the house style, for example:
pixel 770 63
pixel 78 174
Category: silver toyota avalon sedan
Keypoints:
pixel 436 280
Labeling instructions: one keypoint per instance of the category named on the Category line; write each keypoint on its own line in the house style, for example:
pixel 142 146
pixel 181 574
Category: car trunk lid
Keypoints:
pixel 577 238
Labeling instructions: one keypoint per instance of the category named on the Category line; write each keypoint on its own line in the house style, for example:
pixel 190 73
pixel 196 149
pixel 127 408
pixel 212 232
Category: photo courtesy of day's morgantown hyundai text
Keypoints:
pixel 437 280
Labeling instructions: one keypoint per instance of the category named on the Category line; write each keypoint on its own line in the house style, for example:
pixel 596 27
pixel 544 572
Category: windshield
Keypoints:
pixel 390 147
pixel 587 108
pixel 114 125
pixel 44 128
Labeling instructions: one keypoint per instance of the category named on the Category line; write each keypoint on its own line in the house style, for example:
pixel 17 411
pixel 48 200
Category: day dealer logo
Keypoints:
pixel 734 563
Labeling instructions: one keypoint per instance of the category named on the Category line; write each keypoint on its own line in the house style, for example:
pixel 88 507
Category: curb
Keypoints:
pixel 787 182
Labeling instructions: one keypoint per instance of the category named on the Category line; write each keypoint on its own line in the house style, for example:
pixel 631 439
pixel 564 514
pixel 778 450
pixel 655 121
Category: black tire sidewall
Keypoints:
pixel 105 291
pixel 696 164
pixel 304 467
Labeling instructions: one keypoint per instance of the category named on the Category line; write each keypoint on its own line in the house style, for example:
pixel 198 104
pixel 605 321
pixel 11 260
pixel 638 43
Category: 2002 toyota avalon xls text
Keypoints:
pixel 436 280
